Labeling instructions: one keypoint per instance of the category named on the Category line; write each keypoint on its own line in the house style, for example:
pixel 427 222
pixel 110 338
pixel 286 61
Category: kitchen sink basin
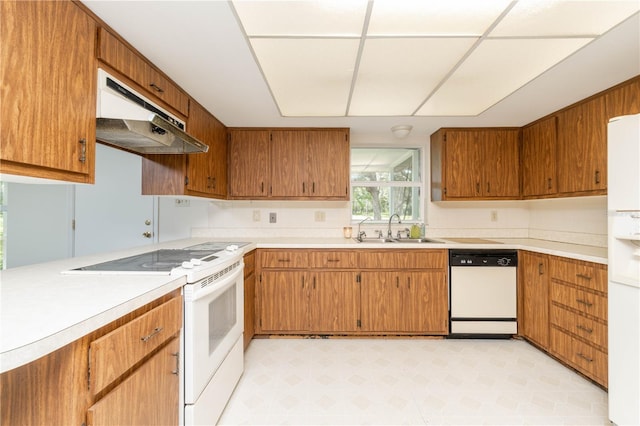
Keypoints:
pixel 399 240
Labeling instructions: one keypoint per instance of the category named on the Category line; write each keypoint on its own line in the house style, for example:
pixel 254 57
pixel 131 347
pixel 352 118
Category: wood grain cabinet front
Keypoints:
pixel 249 297
pixel 578 316
pixel 539 140
pixel 48 106
pixel 534 276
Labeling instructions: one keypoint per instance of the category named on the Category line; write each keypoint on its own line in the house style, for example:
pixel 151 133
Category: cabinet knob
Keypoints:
pixel 146 234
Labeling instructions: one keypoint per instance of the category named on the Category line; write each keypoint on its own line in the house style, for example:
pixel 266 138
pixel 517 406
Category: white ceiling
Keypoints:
pixel 464 72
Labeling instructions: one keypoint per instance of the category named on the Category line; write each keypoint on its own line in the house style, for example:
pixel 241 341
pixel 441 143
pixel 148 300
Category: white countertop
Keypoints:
pixel 42 310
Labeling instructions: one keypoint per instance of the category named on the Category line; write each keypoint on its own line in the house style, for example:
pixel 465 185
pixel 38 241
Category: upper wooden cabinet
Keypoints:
pixel 539 158
pixel 624 99
pixel 471 164
pixel 118 55
pixel 582 148
pixel 48 75
pixel 202 174
pixel 289 164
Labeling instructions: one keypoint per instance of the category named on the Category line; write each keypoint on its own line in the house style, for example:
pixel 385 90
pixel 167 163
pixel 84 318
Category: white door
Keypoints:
pixel 112 214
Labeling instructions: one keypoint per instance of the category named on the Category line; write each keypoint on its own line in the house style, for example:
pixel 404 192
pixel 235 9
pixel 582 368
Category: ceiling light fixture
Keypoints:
pixel 401 131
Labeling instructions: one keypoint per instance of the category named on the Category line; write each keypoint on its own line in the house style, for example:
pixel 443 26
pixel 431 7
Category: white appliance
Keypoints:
pixel 624 269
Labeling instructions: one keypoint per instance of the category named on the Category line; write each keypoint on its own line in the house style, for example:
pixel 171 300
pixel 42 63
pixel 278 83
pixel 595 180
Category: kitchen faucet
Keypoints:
pixel 389 234
pixel 362 234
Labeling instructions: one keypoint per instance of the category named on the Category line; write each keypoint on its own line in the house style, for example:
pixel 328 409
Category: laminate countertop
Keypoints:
pixel 42 309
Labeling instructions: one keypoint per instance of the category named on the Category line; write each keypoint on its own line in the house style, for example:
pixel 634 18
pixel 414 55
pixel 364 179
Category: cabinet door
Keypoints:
pixel 424 303
pixel 207 172
pixel 48 74
pixel 249 308
pixel 249 164
pixel 381 298
pixel 582 148
pixel 500 163
pixel 284 301
pixel 539 158
pixel 535 278
pixel 289 163
pixel 462 166
pixel 328 164
pixel 334 302
pixel 149 396
pixel 624 100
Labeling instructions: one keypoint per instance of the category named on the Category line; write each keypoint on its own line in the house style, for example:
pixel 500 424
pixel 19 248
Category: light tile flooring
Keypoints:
pixel 421 382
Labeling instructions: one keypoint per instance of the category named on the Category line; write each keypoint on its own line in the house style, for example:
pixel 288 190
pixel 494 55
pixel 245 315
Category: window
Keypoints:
pixel 385 181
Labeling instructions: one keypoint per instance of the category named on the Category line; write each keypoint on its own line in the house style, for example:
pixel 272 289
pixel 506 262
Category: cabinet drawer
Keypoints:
pixel 114 353
pixel 583 301
pixel 284 259
pixel 334 259
pixel 584 274
pixel 579 325
pixel 582 356
pixel 249 263
pixel 403 259
pixel 115 53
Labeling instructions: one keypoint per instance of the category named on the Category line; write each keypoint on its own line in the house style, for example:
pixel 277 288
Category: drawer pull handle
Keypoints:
pixel 177 370
pixel 584 302
pixel 583 328
pixel 156 87
pixel 153 333
pixel 584 277
pixel 284 260
pixel 586 358
pixel 333 260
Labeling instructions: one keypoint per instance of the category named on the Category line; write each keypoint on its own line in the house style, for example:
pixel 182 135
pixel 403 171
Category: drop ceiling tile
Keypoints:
pixel 494 70
pixel 396 75
pixel 420 17
pixel 564 18
pixel 302 18
pixel 308 77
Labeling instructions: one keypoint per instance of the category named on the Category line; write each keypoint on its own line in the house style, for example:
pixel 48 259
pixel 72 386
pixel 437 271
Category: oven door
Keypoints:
pixel 214 321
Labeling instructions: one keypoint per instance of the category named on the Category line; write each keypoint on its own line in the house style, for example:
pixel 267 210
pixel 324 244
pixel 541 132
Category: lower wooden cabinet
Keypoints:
pixel 349 292
pixel 249 297
pixel 111 383
pixel 534 276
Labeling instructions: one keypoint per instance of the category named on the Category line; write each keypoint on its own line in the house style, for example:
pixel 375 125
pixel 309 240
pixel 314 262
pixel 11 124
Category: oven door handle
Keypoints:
pixel 218 286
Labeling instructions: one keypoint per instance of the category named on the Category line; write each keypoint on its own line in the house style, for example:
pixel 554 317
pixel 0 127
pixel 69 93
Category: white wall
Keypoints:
pixel 175 220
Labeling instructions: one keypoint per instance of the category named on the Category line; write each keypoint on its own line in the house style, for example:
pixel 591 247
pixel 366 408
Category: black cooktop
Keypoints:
pixel 155 261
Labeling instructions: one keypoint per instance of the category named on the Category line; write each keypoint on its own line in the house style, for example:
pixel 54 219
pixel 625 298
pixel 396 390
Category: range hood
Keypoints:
pixel 128 120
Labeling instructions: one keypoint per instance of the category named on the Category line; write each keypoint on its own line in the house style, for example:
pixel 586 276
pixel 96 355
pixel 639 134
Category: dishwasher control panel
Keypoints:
pixel 481 258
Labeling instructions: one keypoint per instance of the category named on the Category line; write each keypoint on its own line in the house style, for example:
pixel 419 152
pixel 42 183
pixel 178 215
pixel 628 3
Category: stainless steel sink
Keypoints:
pixel 399 240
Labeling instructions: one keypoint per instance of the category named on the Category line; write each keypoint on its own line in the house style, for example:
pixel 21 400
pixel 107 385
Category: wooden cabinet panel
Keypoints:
pixel 403 259
pixel 289 160
pixel 624 99
pixel 334 302
pixel 135 401
pixel 249 297
pixel 113 354
pixel 425 304
pixel 475 164
pixel 381 299
pixel 249 164
pixel 584 274
pixel 583 301
pixel 583 357
pixel 332 259
pixel 328 160
pixel 539 158
pixel 275 258
pixel 118 55
pixel 582 148
pixel 535 287
pixel 284 301
pixel 48 105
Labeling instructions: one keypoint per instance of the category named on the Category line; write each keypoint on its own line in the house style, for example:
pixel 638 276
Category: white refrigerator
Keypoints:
pixel 623 204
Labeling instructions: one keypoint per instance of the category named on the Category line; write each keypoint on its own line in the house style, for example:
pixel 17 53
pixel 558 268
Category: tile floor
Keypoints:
pixel 417 382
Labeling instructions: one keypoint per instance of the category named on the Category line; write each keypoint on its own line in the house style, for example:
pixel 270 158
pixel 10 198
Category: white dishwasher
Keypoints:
pixel 483 298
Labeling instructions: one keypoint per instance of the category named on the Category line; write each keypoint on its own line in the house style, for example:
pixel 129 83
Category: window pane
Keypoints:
pixel 380 202
pixel 385 165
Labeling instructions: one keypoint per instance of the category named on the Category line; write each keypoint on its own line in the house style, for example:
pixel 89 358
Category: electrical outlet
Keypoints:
pixel 494 215
pixel 320 216
pixel 256 215
pixel 273 217
pixel 182 202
